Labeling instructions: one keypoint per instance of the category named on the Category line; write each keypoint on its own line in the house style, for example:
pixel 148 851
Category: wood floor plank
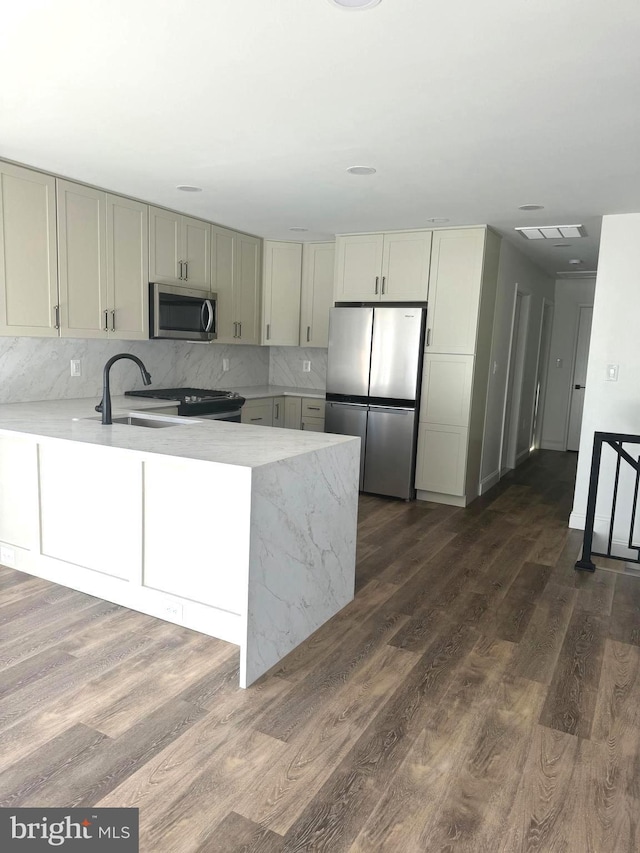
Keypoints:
pixel 237 834
pixel 571 700
pixel 510 619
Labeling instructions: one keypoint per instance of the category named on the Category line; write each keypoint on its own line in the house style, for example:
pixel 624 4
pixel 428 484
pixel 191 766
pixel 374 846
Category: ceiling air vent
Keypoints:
pixel 552 232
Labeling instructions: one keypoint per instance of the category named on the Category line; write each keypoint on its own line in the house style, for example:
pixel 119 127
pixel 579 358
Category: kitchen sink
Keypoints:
pixel 149 421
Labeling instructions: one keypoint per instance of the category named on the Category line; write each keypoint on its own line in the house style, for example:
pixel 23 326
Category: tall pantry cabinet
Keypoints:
pixel 462 294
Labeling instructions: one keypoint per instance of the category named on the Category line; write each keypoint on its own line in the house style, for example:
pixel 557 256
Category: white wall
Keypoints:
pixel 515 270
pixel 612 406
pixel 38 368
pixel 569 296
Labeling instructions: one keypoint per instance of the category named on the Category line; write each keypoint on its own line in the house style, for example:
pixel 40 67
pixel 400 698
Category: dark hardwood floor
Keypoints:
pixel 477 695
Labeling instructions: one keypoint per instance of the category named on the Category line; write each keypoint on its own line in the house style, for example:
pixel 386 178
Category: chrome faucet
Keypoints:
pixel 104 405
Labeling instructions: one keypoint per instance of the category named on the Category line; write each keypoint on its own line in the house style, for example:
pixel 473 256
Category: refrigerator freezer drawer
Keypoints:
pixel 348 419
pixel 390 452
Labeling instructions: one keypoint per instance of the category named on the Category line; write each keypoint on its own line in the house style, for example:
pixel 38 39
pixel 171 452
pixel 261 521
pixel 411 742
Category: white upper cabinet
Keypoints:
pixel 127 268
pixel 82 258
pixel 103 264
pixel 179 249
pixel 318 265
pixel 282 282
pixel 392 267
pixel 235 277
pixel 28 253
pixel 454 290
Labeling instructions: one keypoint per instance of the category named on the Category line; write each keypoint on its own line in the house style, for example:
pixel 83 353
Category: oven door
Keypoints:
pixel 180 313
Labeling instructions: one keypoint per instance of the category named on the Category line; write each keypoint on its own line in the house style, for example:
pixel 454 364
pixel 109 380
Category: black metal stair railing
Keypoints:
pixel 614 440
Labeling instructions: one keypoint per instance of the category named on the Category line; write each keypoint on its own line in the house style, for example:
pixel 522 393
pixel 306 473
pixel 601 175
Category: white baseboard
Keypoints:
pixel 553 445
pixel 522 456
pixel 439 498
pixel 488 482
pixel 577 520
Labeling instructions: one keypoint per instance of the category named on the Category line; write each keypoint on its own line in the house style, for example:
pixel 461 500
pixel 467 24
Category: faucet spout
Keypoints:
pixel 104 405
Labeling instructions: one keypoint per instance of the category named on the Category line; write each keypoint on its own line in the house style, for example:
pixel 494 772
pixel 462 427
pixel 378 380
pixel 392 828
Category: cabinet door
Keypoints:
pixel 318 265
pixel 165 245
pixel 446 389
pixel 405 267
pixel 278 411
pixel 312 408
pixel 28 253
pixel 82 258
pixel 454 290
pixel 196 253
pixel 223 264
pixel 282 282
pixel 441 459
pixel 248 289
pixel 127 268
pixel 358 268
pixel 293 412
pixel 312 424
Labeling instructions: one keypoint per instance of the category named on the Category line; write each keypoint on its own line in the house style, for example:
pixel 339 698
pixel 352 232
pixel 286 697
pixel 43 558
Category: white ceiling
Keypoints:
pixel 467 110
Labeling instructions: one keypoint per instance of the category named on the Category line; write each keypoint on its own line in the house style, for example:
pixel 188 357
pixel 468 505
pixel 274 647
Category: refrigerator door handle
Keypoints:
pixel 351 405
pixel 391 410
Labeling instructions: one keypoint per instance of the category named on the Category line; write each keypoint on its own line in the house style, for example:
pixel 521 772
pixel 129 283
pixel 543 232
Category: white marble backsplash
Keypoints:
pixel 39 368
pixel 285 367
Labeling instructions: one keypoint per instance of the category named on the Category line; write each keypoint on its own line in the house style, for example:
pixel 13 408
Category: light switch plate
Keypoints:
pixel 306 366
pixel 612 373
pixel 225 364
pixel 76 367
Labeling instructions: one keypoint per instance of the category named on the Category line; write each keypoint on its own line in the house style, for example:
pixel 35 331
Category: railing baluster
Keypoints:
pixel 614 502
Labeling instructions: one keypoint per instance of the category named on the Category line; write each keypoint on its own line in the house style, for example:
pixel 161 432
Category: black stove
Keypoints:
pixel 194 402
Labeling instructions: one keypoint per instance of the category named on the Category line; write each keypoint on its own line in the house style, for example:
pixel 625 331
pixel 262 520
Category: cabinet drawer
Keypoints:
pixel 312 408
pixel 258 413
pixel 313 424
pixel 446 389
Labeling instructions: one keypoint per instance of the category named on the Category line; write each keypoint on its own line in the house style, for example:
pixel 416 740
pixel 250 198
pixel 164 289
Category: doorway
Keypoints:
pixel 513 401
pixel 585 316
pixel 543 370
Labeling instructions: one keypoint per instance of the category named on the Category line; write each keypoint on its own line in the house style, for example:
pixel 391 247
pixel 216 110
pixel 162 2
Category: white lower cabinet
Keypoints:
pixel 442 459
pixel 446 389
pixel 278 412
pixel 90 508
pixel 258 412
pixel 19 492
pixel 292 412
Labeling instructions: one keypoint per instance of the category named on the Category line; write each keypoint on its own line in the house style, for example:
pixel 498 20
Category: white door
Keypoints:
pixel 196 248
pixel 127 269
pixel 543 370
pixel 405 266
pixel 223 253
pixel 579 377
pixel 247 285
pixel 513 400
pixel 282 283
pixel 318 262
pixel 165 246
pixel 359 268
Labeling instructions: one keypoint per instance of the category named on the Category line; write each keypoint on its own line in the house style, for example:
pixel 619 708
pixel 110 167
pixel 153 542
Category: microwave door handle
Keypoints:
pixel 212 316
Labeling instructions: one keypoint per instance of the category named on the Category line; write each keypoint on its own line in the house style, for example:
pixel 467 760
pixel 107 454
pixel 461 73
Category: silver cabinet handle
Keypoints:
pixel 255 419
pixel 113 321
pixel 384 278
pixel 377 280
pixel 56 312
pixel 235 330
pixel 428 336
pixel 186 270
pixel 268 331
pixel 239 330
pixel 277 410
pixel 106 321
pixel 313 408
pixel 308 333
pixel 180 273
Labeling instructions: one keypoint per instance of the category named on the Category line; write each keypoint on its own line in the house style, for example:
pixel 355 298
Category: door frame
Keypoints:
pixel 574 358
pixel 525 305
pixel 537 417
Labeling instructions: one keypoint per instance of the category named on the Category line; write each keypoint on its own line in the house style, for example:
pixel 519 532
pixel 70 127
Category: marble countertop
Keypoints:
pixel 256 391
pixel 190 438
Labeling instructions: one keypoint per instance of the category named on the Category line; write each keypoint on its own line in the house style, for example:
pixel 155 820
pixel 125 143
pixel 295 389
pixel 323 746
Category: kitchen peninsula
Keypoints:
pixel 242 533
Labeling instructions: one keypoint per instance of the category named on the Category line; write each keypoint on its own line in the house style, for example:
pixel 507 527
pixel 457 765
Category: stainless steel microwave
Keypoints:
pixel 181 313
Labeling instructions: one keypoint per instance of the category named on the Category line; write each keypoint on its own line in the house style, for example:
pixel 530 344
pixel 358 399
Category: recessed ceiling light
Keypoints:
pixel 531 207
pixel 438 220
pixel 552 232
pixel 361 170
pixel 355 4
pixel 186 188
pixel 298 228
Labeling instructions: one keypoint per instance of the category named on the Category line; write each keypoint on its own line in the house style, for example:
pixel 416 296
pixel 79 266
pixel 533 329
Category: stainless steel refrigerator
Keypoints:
pixel 373 385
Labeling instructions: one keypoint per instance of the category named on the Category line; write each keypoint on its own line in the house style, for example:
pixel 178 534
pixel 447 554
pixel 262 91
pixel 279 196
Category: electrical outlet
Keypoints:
pixel 306 366
pixel 612 373
pixel 225 364
pixel 8 556
pixel 76 367
pixel 172 611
